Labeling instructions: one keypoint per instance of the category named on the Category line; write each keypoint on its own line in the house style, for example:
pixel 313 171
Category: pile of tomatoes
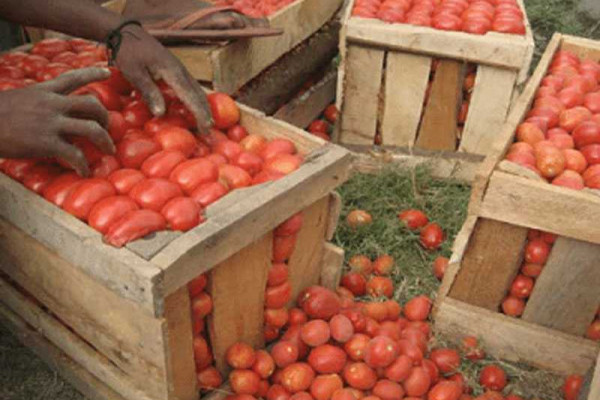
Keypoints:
pixel 255 8
pixel 323 127
pixel 471 16
pixel 162 176
pixel 560 137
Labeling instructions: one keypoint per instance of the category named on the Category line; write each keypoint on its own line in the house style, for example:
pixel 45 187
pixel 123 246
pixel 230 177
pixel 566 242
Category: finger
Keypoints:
pixel 72 155
pixel 89 129
pixel 88 107
pixel 191 94
pixel 222 20
pixel 150 92
pixel 72 80
pixel 258 22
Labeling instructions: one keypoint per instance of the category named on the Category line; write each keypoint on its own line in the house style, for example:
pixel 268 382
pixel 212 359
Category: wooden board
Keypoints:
pixel 566 295
pixel 554 210
pixel 359 115
pixel 439 125
pixel 237 287
pixel 406 78
pixel 74 347
pixel 582 47
pixel 129 338
pixel 595 386
pixel 490 263
pixel 515 340
pixel 305 264
pixel 332 265
pixel 488 109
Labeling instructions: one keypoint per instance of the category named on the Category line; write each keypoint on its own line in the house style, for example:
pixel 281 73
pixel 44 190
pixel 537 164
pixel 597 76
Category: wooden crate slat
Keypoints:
pixel 406 78
pixel 491 261
pixel 489 106
pixel 73 346
pixel 582 47
pixel 332 265
pixel 335 209
pixel 566 295
pixel 243 222
pixel 75 374
pixel 361 103
pixel 507 51
pixel 439 125
pixel 128 337
pixel 515 340
pixel 304 265
pixel 181 368
pixel 521 201
pixel 595 386
pixel 237 287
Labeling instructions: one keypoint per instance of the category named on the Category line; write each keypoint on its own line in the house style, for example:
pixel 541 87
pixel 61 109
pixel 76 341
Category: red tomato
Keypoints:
pixel 447 360
pixel 493 377
pixel 264 364
pixel 278 296
pixel 32 63
pixel 117 82
pixel 537 252
pixel 355 282
pixel 154 193
pixel 9 72
pixel 90 151
pixel 161 164
pixel 331 113
pixel 208 193
pixel 175 138
pixel 297 377
pixel 593 331
pixel 179 110
pixel 254 143
pixel 360 376
pixel 278 274
pixel 522 287
pixel 319 302
pixel 209 378
pixel 513 306
pixel 125 179
pixel 189 175
pixel 315 333
pixel 470 346
pixel 439 267
pixel 132 152
pixel 154 125
pixel 202 353
pixel 318 126
pixel 224 110
pixel 417 383
pixel 380 286
pixel 322 388
pixel 108 211
pixel 283 247
pixel 327 359
pixel 276 317
pixel 291 226
pixel 105 94
pixel 134 225
pixel 381 352
pixel 283 163
pixel 81 200
pixel 234 177
pixel 227 148
pixel 237 133
pixel 182 213
pixel 197 285
pixel 240 356
pixel 284 353
pixel 341 328
pixel 202 306
pixel 105 166
pixel 417 309
pixel 432 236
pixel 136 114
pixel 40 176
pixel 243 381
pixel 117 127
pixel 572 387
pixel 50 48
pixel 400 369
pixel 277 146
pixel 60 188
pixel 445 390
pixel 356 218
pixel 383 265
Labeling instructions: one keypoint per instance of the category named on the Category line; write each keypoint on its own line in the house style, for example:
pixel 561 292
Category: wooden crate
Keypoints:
pixel 383 81
pixel 119 320
pixel 507 201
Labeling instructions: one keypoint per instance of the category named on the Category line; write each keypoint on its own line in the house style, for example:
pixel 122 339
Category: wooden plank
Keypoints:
pixel 90 386
pixel 524 72
pixel 406 79
pixel 304 109
pixel 488 109
pixel 595 386
pixel 490 263
pixel 515 340
pixel 507 51
pixel 566 295
pixel 78 350
pixel 360 112
pixel 582 47
pixel 237 287
pixel 304 265
pixel 333 216
pixel 332 265
pixel 238 62
pixel 518 170
pixel 558 210
pixel 439 126
pixel 120 270
pixel 246 222
pixel 128 337
pixel 181 368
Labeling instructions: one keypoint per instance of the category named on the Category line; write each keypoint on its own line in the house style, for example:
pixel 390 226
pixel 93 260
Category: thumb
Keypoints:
pixel 72 80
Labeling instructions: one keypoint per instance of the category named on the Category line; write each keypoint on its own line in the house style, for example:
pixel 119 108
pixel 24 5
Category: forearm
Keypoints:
pixel 82 18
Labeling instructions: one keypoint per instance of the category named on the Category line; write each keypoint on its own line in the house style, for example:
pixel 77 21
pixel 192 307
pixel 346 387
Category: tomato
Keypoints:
pixel 178 110
pixel 202 353
pixel 381 352
pixel 315 333
pixel 380 286
pixel 277 318
pixel 59 189
pixel 244 381
pixel 175 138
pixel 132 152
pixel 331 113
pixel 411 350
pixel 182 214
pixel 284 353
pixel 432 236
pixel 191 174
pixel 521 287
pixel 383 265
pixel 117 82
pixel 447 360
pixel 161 164
pixel 537 252
pixel 417 309
pixel 109 210
pixel 276 147
pixel 224 110
pixel 440 264
pixel 327 359
pixel 593 331
pixel 125 179
pixel 278 296
pixel 254 143
pixel 283 163
pixel 297 317
pixel 105 94
pixel 208 193
pixel 277 392
pixel 417 383
pixel 360 376
pixel 105 166
pixel 376 311
pixel 234 177
pixel 197 285
pixel 156 124
pixel 209 378
pixel 81 200
pixel 532 270
pixel 358 218
pixel 278 274
pixel 154 193
pixel 50 48
pixel 264 365
pixel 32 63
pixel 318 126
pixel 202 306
pixel 9 72
pixel 445 390
pixel 591 153
pixel 240 356
pixel 341 328
pixel 493 377
pixel 361 263
pixel 355 282
pixel 227 148
pixel 470 346
pixel 357 346
pixel 291 226
pixel 237 133
pixel 297 377
pixel 319 302
pixel 40 176
pixel 323 387
pixel 571 118
pixel 117 127
pixel 136 114
pixel 513 306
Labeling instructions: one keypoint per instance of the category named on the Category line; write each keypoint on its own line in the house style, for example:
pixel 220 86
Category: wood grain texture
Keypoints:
pixel 566 295
pixel 488 108
pixel 439 125
pixel 515 340
pixel 490 263
pixel 595 386
pixel 406 79
pixel 332 265
pixel 333 216
pixel 237 287
pixel 360 110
